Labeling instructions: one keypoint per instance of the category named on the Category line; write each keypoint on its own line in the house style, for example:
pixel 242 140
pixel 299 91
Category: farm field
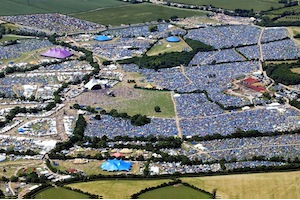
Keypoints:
pixel 124 188
pixel 19 7
pixel 164 48
pixel 91 168
pixel 257 5
pixel 135 13
pixel 282 185
pixel 60 193
pixel 174 192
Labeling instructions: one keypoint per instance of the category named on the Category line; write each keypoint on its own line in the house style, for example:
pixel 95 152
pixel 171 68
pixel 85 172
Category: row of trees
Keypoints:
pixel 136 120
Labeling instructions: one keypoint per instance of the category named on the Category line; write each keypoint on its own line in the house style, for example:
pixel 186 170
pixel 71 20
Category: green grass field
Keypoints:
pixel 116 189
pixel 18 7
pixel 136 13
pixel 174 192
pixel 173 47
pixel 60 193
pixel 281 185
pixel 257 5
pixel 11 37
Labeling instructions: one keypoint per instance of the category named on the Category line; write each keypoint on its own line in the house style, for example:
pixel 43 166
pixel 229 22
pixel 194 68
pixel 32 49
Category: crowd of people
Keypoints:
pixel 226 36
pixel 252 164
pixel 119 49
pixel 68 66
pixel 213 57
pixel 250 52
pixel 23 46
pixel 240 149
pixel 195 105
pixel 225 124
pixel 273 34
pixel 54 22
pixel 170 168
pixel 112 127
pixel 154 30
pixel 281 50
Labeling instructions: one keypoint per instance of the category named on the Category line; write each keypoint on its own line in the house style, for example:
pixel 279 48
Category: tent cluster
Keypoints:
pixel 116 165
pixel 57 53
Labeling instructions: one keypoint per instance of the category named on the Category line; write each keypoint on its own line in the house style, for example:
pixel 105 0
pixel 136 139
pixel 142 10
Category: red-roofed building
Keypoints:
pixel 71 171
pixel 250 81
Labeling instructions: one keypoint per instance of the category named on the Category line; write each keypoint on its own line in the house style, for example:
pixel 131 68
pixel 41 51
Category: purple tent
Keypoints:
pixel 57 53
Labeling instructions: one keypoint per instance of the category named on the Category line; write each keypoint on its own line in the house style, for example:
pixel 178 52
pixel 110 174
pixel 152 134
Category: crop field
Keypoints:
pixel 257 5
pixel 60 193
pixel 19 7
pixel 174 192
pixel 92 167
pixel 167 47
pixel 135 13
pixel 282 185
pixel 116 189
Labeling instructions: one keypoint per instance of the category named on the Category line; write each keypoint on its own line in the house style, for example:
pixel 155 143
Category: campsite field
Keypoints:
pixel 18 7
pixel 130 100
pixel 257 5
pixel 281 185
pixel 116 189
pixel 136 13
pixel 174 192
pixel 91 168
pixel 163 48
pixel 60 193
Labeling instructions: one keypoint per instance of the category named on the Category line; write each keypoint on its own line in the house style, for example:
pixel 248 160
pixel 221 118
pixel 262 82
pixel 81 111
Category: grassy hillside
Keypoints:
pixel 18 7
pixel 136 13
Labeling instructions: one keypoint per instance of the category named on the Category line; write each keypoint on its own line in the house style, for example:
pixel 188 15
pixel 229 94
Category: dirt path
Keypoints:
pixel 176 116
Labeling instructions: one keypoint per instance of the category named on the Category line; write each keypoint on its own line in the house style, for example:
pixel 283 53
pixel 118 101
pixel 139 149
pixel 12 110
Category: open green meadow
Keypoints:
pixel 167 47
pixel 116 189
pixel 135 13
pixel 12 37
pixel 60 193
pixel 281 185
pixel 257 5
pixel 19 7
pixel 174 192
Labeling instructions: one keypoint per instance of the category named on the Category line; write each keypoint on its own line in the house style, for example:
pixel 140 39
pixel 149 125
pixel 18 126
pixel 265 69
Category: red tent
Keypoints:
pixel 117 155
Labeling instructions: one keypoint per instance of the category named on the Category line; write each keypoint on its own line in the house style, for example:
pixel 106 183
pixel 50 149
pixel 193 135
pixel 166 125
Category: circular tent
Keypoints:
pixel 102 38
pixel 116 165
pixel 2 158
pixel 172 39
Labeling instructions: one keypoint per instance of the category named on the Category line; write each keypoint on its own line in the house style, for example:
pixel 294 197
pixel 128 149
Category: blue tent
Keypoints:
pixel 116 165
pixel 20 130
pixel 173 39
pixel 101 38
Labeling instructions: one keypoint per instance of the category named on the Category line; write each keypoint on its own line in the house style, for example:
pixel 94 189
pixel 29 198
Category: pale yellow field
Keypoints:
pixel 173 47
pixel 296 70
pixel 281 185
pixel 116 189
